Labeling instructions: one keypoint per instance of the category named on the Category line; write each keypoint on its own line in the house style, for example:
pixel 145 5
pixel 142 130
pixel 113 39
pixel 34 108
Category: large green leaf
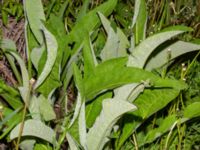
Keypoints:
pixel 52 47
pixel 111 111
pixel 142 52
pixel 35 14
pixel 170 52
pixel 34 128
pixel 118 74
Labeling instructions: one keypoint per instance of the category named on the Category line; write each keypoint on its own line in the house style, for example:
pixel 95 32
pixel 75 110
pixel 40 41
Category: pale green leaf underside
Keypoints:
pixel 110 49
pixel 145 48
pixel 174 50
pixel 46 109
pixel 35 14
pixel 24 90
pixel 111 111
pixel 34 128
pixel 52 47
pixel 8 44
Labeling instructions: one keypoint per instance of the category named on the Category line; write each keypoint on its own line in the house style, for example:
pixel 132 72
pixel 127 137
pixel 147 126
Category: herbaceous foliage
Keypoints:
pixel 117 92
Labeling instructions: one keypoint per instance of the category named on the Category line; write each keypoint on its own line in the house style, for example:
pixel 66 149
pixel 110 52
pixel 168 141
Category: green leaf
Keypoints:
pixel 192 110
pixel 72 143
pixel 123 43
pixel 10 95
pixel 46 109
pixel 118 74
pixel 34 108
pixel 164 126
pixel 142 52
pixel 86 25
pixel 27 144
pixel 93 109
pixel 79 81
pixel 148 103
pixel 174 50
pixel 110 49
pixel 24 90
pixel 9 115
pixel 129 92
pixel 7 44
pixel 52 82
pixel 82 126
pixel 136 12
pixel 83 10
pixel 52 47
pixel 140 26
pixel 89 57
pixel 34 128
pixel 112 110
pixel 11 120
pixel 42 147
pixel 36 55
pixel 35 14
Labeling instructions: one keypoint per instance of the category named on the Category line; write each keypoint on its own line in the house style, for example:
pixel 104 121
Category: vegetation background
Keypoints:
pixel 65 84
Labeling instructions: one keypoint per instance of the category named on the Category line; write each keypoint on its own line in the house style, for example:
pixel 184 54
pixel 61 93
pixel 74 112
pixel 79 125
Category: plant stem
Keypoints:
pixel 169 135
pixel 135 142
pixel 62 137
pixel 21 127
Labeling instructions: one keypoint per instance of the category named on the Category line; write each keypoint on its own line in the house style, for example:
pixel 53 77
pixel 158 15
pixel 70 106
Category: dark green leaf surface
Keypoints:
pixel 113 73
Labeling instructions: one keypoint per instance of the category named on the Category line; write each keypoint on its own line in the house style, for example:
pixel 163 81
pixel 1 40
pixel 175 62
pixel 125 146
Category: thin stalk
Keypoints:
pixel 169 135
pixel 135 142
pixel 62 137
pixel 191 64
pixel 22 124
